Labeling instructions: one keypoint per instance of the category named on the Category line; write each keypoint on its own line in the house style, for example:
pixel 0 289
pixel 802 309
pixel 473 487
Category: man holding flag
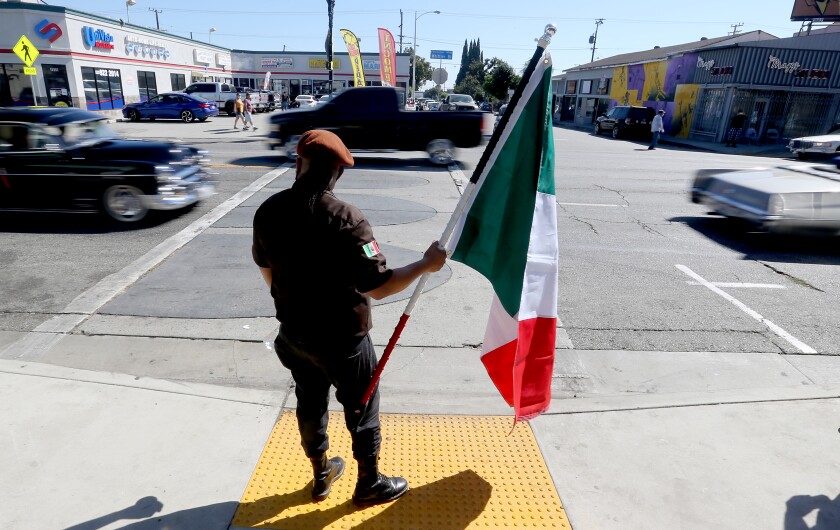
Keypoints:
pixel 322 264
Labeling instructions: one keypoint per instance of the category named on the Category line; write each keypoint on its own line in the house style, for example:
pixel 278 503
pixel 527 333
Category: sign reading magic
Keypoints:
pixel 98 38
pixel 795 68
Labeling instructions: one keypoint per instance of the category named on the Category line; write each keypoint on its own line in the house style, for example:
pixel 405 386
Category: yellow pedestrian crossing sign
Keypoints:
pixel 26 51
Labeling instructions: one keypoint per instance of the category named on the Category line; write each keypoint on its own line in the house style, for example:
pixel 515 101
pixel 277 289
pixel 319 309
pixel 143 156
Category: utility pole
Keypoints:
pixel 735 28
pixel 593 39
pixel 330 9
pixel 157 12
pixel 401 35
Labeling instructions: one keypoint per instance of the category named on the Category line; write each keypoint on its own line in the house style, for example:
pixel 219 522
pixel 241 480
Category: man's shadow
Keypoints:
pixel 800 506
pixel 451 502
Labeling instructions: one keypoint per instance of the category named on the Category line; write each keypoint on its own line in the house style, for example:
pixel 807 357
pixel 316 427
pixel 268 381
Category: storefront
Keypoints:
pixel 306 72
pixel 787 87
pixel 102 64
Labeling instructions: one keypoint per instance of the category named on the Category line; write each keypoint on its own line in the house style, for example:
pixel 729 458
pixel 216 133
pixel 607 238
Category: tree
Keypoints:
pixel 424 70
pixel 471 86
pixel 465 61
pixel 435 93
pixel 499 79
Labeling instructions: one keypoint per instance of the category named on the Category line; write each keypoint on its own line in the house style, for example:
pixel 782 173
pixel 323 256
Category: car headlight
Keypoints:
pixel 822 144
pixel 775 205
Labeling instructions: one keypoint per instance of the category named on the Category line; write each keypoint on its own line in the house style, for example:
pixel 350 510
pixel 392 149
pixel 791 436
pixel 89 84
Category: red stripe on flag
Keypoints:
pixel 499 366
pixel 534 366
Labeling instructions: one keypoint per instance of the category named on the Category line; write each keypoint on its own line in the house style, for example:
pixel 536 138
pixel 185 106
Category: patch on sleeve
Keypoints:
pixel 371 249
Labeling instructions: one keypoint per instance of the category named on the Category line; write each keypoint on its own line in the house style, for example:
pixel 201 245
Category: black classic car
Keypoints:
pixel 370 118
pixel 66 159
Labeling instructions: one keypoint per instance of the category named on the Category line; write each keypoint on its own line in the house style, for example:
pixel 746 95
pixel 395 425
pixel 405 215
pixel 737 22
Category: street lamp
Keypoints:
pixel 128 3
pixel 414 53
pixel 210 35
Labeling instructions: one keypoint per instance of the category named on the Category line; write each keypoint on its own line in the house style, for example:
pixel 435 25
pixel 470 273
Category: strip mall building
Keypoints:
pixel 787 87
pixel 101 64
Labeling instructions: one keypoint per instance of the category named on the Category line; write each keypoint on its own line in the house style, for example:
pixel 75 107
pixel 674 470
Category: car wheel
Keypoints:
pixel 802 156
pixel 187 116
pixel 229 108
pixel 124 203
pixel 597 129
pixel 133 115
pixel 441 152
pixel 615 132
pixel 290 147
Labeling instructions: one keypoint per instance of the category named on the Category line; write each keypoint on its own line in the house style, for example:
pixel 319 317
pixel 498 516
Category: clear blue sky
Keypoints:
pixel 506 29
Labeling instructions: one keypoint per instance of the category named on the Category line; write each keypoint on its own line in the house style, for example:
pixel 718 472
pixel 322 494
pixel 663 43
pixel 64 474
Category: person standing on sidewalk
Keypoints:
pixel 284 101
pixel 319 258
pixel 657 127
pixel 736 125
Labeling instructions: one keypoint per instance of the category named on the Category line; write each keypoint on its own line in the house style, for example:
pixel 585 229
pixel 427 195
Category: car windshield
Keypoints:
pixel 86 132
pixel 461 98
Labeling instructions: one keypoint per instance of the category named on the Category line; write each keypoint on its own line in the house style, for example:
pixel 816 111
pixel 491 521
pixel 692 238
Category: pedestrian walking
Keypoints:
pixel 736 125
pixel 657 127
pixel 284 101
pixel 239 110
pixel 318 255
pixel 249 112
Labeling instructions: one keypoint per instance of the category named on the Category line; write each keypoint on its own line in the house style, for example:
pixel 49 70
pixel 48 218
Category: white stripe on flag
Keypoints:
pixel 539 290
pixel 501 327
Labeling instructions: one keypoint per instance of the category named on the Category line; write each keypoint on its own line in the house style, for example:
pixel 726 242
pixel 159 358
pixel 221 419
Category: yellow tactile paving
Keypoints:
pixel 463 472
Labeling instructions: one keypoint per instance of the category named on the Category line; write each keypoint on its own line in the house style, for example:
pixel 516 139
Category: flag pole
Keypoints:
pixel 542 43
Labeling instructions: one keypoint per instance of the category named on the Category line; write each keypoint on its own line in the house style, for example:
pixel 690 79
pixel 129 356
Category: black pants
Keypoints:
pixel 347 365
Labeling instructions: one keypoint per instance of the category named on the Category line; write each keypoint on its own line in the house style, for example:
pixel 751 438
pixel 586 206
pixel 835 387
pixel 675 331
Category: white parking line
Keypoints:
pixel 83 306
pixel 796 343
pixel 742 285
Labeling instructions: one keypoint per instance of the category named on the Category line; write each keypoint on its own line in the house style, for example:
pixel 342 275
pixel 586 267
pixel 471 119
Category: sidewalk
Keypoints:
pixel 744 149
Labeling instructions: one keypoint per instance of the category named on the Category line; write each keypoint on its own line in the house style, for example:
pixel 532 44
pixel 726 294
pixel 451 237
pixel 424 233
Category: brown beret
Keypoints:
pixel 320 143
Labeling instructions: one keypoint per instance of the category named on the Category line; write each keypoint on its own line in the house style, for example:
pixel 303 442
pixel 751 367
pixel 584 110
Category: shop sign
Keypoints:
pixel 48 30
pixel 710 67
pixel 98 38
pixel 321 64
pixel 203 56
pixel 370 64
pixel 223 59
pixel 146 48
pixel 774 63
pixel 278 62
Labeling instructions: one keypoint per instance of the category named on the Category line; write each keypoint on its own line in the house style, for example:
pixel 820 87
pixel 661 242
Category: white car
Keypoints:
pixel 324 99
pixel 826 145
pixel 305 101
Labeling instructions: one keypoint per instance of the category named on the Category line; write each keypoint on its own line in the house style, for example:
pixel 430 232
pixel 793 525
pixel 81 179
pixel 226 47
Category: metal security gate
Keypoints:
pixel 704 126
pixel 777 115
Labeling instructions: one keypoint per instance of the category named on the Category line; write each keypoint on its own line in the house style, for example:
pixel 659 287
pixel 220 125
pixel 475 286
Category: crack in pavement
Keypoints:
pixel 623 198
pixel 794 279
pixel 573 217
pixel 647 228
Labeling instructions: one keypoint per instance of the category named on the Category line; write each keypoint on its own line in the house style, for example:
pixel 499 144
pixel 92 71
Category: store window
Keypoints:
pixel 603 87
pixel 148 85
pixel 586 86
pixel 103 88
pixel 15 88
pixel 571 87
pixel 178 81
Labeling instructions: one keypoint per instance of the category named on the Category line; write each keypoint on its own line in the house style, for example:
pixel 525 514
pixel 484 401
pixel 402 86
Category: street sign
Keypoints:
pixel 26 51
pixel 439 76
pixel 30 70
pixel 441 54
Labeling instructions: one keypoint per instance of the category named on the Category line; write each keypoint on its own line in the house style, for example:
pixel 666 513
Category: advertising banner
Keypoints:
pixel 387 58
pixel 816 10
pixel 355 56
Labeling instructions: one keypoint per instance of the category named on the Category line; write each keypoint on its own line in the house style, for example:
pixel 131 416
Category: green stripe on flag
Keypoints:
pixel 497 228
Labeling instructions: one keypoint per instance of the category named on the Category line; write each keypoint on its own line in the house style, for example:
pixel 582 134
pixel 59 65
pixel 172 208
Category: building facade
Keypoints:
pixel 787 87
pixel 101 64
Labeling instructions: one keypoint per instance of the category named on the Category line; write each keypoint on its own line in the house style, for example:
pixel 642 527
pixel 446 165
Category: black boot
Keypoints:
pixel 375 488
pixel 326 472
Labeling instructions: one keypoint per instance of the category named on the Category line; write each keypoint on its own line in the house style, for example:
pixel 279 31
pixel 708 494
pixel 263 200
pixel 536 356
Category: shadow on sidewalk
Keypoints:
pixel 799 507
pixel 743 237
pixel 425 507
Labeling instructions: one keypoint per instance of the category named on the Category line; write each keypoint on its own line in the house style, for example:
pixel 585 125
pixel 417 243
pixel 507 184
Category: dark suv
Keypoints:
pixel 626 121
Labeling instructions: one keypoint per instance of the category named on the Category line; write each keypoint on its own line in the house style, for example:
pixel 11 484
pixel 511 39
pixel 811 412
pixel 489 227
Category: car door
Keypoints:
pixel 608 122
pixel 154 108
pixel 33 169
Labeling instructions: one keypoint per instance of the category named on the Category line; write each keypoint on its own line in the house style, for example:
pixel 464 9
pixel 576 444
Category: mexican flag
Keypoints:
pixel 508 233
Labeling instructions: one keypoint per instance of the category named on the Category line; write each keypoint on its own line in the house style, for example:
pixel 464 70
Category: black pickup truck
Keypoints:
pixel 369 118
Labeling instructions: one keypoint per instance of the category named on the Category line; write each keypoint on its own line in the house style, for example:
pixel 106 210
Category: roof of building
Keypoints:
pixel 658 53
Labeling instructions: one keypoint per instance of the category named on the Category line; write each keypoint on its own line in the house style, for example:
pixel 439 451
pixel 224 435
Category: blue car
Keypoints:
pixel 174 105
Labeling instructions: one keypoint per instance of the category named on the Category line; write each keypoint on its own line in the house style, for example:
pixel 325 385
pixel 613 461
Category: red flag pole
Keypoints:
pixel 542 43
